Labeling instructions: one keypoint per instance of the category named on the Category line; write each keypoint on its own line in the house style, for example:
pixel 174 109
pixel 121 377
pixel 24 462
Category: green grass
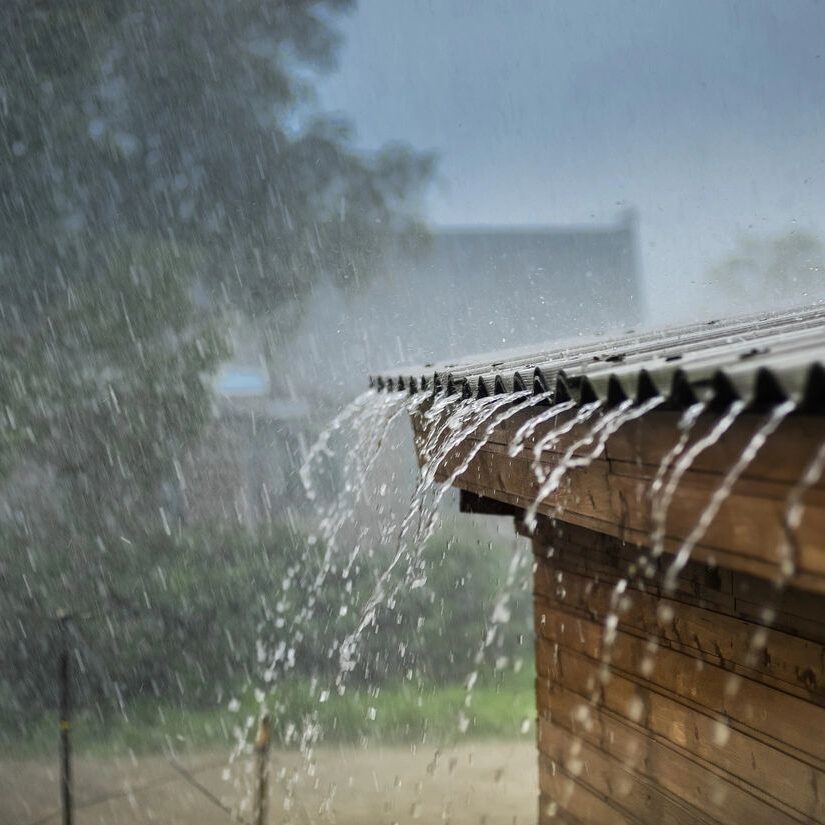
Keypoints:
pixel 499 708
pixel 406 714
pixel 143 728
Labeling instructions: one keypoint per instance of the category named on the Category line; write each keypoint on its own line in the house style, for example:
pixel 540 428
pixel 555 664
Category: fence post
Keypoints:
pixel 262 741
pixel 64 723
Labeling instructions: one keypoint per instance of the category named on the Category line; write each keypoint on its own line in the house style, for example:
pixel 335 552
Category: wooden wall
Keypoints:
pixel 697 713
pixel 612 493
pixel 705 708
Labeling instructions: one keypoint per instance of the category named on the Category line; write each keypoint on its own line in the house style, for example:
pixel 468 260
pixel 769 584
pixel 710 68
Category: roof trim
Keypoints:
pixel 762 360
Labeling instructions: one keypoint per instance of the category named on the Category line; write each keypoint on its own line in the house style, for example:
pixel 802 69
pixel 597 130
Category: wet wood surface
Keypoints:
pixel 612 494
pixel 694 698
pixel 689 709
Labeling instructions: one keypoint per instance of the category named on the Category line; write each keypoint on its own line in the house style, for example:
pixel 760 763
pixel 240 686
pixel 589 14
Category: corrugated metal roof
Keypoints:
pixel 762 359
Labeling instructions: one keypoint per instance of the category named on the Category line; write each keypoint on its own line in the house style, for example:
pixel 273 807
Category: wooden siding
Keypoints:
pixel 707 704
pixel 612 494
pixel 697 713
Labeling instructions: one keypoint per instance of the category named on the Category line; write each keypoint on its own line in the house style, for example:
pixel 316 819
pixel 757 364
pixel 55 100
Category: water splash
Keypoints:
pixel 450 423
pixel 370 419
pixel 662 504
pixel 370 426
pixel 793 512
pixel 499 616
pixel 321 445
pixel 600 432
pixel 526 430
pixel 461 422
pixel 367 421
pixel 436 446
pixel 722 492
pixel 518 403
pixel 477 412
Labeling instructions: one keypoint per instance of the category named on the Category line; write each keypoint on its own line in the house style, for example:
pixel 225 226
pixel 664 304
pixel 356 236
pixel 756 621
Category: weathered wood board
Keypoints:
pixel 612 494
pixel 698 702
pixel 687 710
pixel 702 701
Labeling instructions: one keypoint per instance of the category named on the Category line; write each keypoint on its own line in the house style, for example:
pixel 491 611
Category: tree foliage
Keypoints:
pixel 152 154
pixel 184 617
pixel 193 128
pixel 156 165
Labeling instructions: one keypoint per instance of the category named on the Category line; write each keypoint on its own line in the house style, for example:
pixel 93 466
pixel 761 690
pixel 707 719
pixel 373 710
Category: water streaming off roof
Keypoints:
pixel 575 576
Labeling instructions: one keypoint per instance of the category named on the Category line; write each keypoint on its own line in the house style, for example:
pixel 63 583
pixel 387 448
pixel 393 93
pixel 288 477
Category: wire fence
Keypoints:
pixel 67 628
pixel 181 774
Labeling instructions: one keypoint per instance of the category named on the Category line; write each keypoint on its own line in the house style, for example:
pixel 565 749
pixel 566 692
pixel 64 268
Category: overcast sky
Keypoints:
pixel 708 116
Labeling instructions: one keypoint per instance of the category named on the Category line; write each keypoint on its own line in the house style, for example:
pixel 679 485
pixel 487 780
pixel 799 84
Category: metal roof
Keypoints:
pixel 761 359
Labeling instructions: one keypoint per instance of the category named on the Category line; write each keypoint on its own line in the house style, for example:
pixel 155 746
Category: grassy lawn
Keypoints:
pixel 501 708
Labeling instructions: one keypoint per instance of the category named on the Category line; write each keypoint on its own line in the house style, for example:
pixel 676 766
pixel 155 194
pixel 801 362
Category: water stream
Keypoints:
pixel 551 438
pixel 683 464
pixel 678 461
pixel 369 420
pixel 793 513
pixel 321 445
pixel 518 403
pixel 449 423
pixel 723 491
pixel 600 432
pixel 526 430
pixel 787 550
pixel 461 422
pixel 686 424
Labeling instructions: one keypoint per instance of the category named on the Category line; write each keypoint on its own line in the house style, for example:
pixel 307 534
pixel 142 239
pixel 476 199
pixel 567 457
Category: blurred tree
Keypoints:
pixel 103 348
pixel 194 128
pixel 157 159
pixel 787 268
pixel 213 601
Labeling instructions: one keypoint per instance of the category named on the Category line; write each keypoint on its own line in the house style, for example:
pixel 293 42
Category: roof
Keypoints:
pixel 760 359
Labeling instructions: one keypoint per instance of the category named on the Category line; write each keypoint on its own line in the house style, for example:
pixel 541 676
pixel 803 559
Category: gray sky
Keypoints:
pixel 707 115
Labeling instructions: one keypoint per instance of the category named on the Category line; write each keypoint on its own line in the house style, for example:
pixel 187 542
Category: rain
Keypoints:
pixel 412 412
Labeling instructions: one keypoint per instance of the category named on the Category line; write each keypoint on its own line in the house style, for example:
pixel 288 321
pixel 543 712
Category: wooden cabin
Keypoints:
pixel 687 692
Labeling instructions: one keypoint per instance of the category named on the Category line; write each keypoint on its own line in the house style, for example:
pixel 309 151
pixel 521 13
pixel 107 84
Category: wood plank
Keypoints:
pixel 612 494
pixel 746 525
pixel 578 550
pixel 787 662
pixel 645 801
pixel 718 557
pixel 645 441
pixel 561 793
pixel 766 773
pixel 598 555
pixel 681 779
pixel 782 720
pixel 802 612
pixel 782 458
pixel 551 813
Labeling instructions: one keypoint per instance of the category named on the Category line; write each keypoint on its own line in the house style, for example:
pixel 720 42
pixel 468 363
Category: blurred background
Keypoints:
pixel 216 219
